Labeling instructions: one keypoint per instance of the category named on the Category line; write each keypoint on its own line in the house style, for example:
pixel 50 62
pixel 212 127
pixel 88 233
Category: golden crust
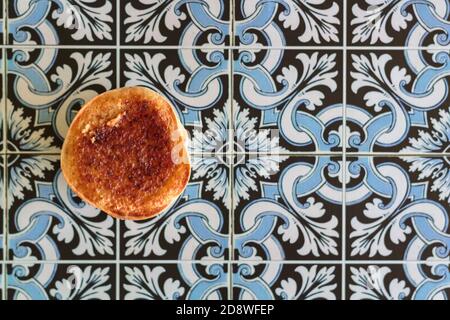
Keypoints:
pixel 125 153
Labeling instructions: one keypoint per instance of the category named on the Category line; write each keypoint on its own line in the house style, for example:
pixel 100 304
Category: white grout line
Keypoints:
pixel 123 261
pixel 223 262
pixel 4 152
pixel 231 173
pixel 118 75
pixel 344 153
pixel 225 47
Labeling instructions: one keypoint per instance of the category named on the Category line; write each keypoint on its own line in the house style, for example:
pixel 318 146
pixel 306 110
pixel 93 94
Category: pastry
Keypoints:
pixel 125 153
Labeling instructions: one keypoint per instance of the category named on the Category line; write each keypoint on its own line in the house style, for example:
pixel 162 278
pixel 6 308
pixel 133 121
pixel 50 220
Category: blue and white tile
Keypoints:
pixel 294 96
pixel 288 208
pixel 195 81
pixel 194 227
pixel 176 281
pixel 47 221
pixel 408 281
pixel 398 101
pixel 175 23
pixel 398 23
pixel 278 281
pixel 46 88
pixel 288 23
pixel 62 22
pixel 397 208
pixel 49 281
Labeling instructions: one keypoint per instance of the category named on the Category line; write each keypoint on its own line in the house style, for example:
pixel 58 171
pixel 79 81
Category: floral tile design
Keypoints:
pixel 397 208
pixel 46 87
pixel 49 281
pixel 178 281
pixel 320 165
pixel 278 281
pixel 175 22
pixel 195 227
pixel 288 23
pixel 47 221
pixel 62 22
pixel 398 23
pixel 398 101
pixel 293 96
pixel 288 208
pixel 409 281
pixel 196 82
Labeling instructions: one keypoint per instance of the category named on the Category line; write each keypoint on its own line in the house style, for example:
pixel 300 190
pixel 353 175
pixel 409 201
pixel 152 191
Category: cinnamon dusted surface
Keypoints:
pixel 128 154
pixel 118 151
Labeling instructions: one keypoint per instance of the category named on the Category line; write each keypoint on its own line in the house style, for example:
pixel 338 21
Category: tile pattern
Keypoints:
pixel 292 214
pixel 52 281
pixel 403 216
pixel 195 81
pixel 398 101
pixel 183 280
pixel 56 224
pixel 319 139
pixel 296 94
pixel 175 23
pixel 410 281
pixel 253 281
pixel 288 23
pixel 46 87
pixel 398 23
pixel 62 22
pixel 195 227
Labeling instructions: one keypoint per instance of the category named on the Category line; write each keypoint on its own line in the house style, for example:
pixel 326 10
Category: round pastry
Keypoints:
pixel 125 153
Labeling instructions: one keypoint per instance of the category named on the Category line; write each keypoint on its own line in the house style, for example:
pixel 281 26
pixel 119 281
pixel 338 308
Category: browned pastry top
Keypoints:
pixel 121 153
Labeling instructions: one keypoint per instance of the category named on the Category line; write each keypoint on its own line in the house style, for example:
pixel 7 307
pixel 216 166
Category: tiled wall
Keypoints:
pixel 320 148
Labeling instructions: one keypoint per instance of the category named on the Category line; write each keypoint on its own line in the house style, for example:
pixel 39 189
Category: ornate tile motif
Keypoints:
pixel 290 209
pixel 47 221
pixel 195 227
pixel 195 81
pixel 319 134
pixel 46 87
pixel 269 281
pixel 49 281
pixel 175 22
pixel 411 281
pixel 397 208
pixel 398 23
pixel 398 101
pixel 62 22
pixel 288 23
pixel 294 96
pixel 178 281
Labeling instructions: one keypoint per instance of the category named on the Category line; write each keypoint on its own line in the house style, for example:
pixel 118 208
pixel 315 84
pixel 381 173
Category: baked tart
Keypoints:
pixel 125 153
